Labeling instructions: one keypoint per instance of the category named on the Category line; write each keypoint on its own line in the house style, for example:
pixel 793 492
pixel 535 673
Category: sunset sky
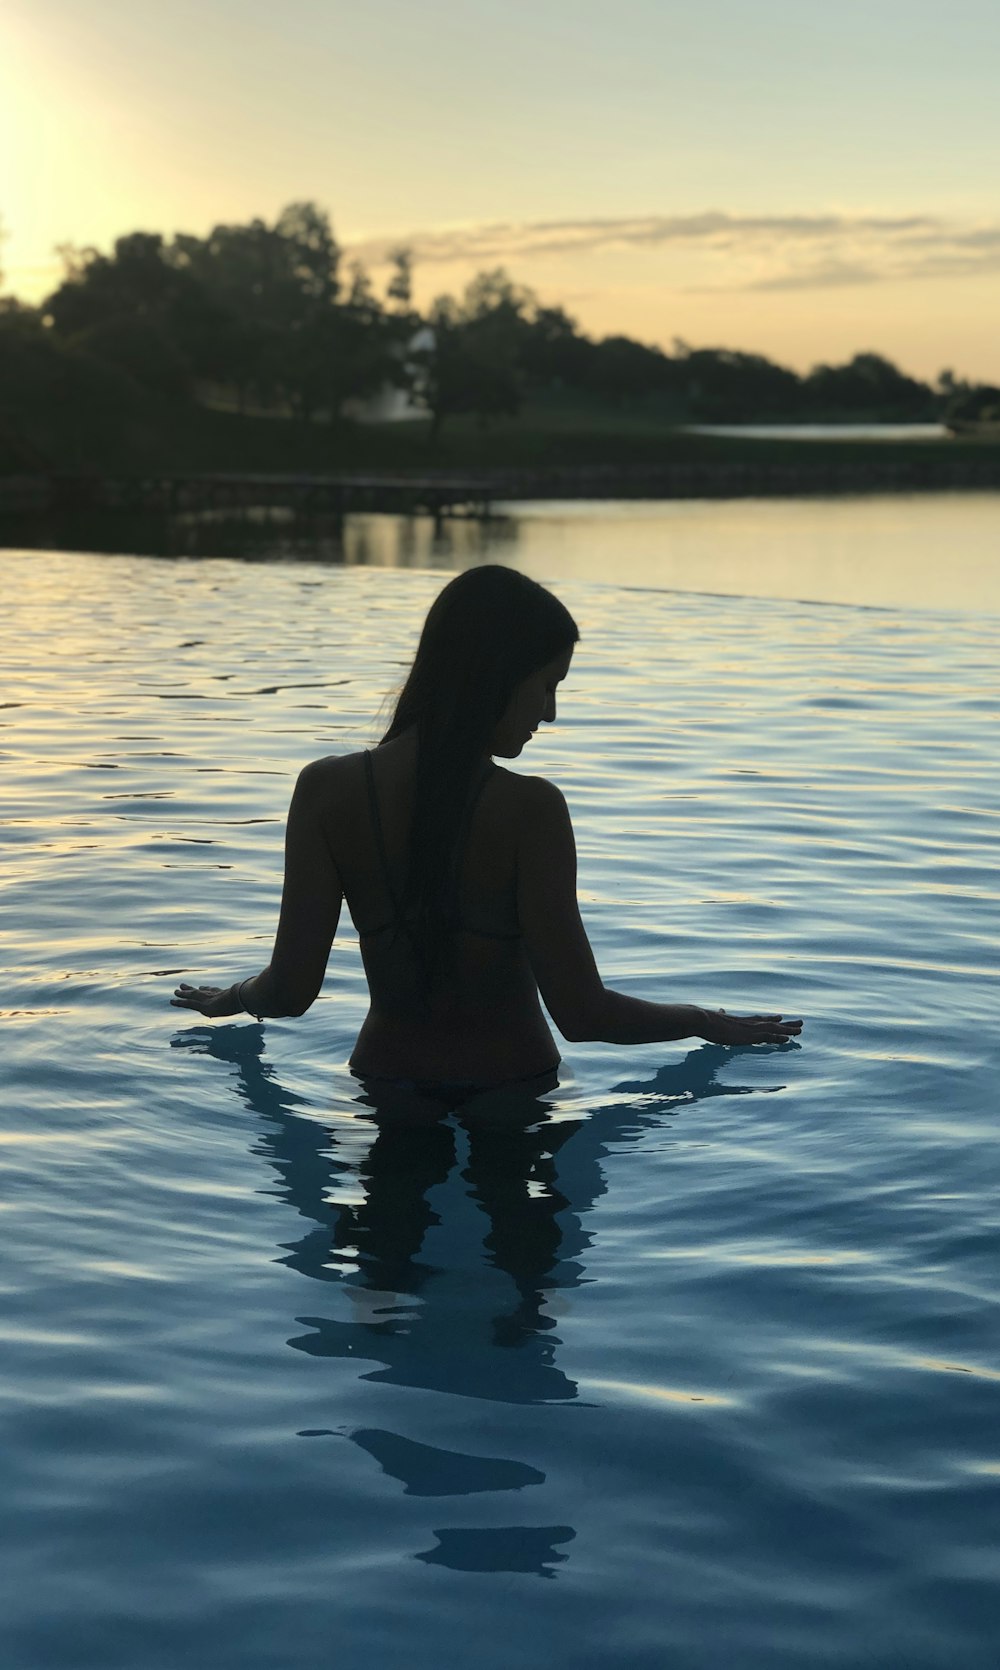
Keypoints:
pixel 794 177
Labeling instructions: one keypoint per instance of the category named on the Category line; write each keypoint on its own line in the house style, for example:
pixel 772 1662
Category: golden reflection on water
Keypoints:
pixel 897 551
pixel 659 1394
pixel 764 1260
pixel 938 1366
pixel 887 551
pixel 886 1357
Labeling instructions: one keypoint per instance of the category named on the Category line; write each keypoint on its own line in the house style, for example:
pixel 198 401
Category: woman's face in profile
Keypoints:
pixel 532 703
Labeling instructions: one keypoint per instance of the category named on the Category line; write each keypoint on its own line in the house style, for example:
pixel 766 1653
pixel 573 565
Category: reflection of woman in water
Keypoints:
pixel 460 875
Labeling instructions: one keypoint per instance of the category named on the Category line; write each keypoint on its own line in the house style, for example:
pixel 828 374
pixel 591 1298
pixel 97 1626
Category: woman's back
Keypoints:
pixel 460 876
pixel 481 1019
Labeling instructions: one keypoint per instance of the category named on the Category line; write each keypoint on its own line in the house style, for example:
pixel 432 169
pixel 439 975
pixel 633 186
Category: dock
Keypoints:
pixel 451 493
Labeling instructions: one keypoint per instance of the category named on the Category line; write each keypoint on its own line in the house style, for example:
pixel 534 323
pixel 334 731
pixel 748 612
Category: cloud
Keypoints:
pixel 732 252
pixel 943 258
pixel 549 237
pixel 976 237
pixel 830 276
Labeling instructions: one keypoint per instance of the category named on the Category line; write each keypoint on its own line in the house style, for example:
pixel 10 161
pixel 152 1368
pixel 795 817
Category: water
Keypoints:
pixel 700 1367
pixel 934 551
pixel 826 431
pixel 890 550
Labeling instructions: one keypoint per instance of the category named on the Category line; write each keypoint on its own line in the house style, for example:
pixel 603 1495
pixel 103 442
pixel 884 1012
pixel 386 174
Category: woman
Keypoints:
pixel 459 875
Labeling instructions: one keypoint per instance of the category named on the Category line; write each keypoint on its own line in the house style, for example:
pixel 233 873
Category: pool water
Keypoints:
pixel 693 1363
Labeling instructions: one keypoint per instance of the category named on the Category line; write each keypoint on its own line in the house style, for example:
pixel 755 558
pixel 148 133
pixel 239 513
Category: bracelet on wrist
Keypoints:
pixel 241 1000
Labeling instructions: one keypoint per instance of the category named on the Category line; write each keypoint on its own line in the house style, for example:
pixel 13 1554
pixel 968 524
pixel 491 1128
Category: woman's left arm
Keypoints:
pixel 310 910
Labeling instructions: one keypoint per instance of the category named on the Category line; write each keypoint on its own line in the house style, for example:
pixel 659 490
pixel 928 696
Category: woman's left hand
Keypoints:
pixel 213 1001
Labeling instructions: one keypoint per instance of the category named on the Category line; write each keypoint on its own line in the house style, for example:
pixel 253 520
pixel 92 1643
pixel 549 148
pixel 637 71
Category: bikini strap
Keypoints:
pixel 383 857
pixel 470 809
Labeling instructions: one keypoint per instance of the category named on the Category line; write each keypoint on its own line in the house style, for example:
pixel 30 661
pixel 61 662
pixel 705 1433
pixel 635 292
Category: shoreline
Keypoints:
pixel 742 469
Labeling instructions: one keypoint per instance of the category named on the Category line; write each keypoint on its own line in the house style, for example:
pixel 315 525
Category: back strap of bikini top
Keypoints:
pixel 471 807
pixel 380 842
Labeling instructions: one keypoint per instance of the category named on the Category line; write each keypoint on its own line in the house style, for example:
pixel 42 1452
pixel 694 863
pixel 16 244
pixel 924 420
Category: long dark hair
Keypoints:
pixel 487 630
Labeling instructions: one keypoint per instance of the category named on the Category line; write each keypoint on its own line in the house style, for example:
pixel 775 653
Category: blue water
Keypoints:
pixel 697 1365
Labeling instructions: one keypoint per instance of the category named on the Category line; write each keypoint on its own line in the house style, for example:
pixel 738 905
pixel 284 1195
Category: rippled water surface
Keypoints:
pixel 695 1364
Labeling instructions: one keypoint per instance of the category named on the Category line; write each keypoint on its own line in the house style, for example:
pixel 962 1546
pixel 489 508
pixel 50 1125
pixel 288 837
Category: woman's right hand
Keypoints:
pixel 720 1028
pixel 213 1001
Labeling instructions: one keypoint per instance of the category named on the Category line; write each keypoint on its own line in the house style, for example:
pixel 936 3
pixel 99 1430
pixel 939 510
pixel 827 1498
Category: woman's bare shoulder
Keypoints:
pixel 529 796
pixel 332 768
pixel 326 784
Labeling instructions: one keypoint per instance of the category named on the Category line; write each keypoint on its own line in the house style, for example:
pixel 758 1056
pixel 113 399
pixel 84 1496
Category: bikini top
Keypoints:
pixel 398 919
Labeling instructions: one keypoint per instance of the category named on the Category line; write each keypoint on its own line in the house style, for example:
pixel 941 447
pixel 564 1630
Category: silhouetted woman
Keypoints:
pixel 460 876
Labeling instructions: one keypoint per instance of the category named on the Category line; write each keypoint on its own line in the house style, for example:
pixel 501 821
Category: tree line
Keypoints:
pixel 270 318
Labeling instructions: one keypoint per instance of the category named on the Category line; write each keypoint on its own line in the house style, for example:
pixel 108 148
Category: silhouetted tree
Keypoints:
pixel 973 403
pixel 135 281
pixel 135 309
pixel 277 275
pixel 471 361
pixel 59 403
pixel 867 386
pixel 553 353
pixel 399 290
pixel 621 370
pixel 268 285
pixel 261 310
pixel 718 385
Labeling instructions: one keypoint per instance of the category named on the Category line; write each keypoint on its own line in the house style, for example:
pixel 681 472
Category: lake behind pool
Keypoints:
pixel 694 1362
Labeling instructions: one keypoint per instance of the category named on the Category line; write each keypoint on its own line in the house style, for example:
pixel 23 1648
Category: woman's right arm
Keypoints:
pixel 562 960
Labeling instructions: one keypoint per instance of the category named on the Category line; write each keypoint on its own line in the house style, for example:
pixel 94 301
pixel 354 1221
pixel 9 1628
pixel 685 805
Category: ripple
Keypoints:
pixel 659 1394
pixel 211 1251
